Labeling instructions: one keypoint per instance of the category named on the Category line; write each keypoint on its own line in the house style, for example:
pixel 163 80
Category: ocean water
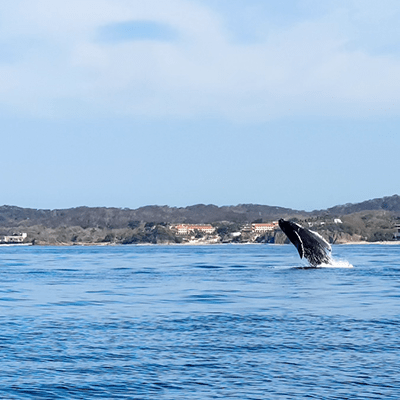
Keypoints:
pixel 199 322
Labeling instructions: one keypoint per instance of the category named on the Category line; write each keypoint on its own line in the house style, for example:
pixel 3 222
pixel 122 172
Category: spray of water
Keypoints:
pixel 336 264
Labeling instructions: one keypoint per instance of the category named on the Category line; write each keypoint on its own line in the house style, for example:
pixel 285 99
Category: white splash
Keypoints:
pixel 337 264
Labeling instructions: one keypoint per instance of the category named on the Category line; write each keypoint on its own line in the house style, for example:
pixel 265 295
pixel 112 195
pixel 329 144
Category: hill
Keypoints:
pixel 391 203
pixel 369 220
pixel 91 217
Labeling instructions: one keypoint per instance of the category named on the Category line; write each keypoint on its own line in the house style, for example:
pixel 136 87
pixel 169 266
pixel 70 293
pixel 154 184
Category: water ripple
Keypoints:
pixel 216 322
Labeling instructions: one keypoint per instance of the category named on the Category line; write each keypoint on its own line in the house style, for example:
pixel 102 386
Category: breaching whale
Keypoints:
pixel 309 244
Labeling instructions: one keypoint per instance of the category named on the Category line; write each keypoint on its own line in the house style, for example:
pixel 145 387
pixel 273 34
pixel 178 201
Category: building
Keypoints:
pixel 263 228
pixel 15 238
pixel 247 229
pixel 184 229
pixel 396 236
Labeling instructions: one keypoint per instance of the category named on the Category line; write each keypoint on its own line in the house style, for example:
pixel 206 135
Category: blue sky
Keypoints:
pixel 126 103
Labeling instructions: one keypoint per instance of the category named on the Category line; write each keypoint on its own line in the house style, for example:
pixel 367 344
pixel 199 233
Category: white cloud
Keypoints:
pixel 305 68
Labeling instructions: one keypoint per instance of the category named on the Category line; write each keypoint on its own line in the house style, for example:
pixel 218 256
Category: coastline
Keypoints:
pixel 394 242
pixel 204 243
pixel 15 244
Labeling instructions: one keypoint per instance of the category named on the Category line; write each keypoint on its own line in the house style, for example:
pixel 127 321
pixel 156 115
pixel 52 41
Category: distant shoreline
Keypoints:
pixel 373 221
pixel 394 242
pixel 390 243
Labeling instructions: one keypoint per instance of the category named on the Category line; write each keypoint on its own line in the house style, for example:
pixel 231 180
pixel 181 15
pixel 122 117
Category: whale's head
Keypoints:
pixel 288 226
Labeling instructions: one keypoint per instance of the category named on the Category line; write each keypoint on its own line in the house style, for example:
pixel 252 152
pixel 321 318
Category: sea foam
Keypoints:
pixel 337 264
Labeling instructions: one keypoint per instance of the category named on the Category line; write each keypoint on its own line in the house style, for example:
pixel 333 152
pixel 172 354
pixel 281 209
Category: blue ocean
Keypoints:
pixel 199 322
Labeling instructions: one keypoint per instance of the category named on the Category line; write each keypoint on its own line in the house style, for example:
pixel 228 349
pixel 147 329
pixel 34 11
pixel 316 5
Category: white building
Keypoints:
pixel 263 228
pixel 397 234
pixel 184 229
pixel 19 238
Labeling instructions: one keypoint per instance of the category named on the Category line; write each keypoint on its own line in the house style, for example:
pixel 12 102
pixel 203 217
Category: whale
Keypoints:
pixel 310 245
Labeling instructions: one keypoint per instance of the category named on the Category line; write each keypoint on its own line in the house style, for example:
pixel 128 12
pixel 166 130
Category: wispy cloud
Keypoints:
pixel 123 57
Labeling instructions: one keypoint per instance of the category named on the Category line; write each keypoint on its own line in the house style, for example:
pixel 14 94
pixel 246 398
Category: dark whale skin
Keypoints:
pixel 309 244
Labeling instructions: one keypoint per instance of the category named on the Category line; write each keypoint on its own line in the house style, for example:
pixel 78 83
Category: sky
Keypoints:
pixel 127 103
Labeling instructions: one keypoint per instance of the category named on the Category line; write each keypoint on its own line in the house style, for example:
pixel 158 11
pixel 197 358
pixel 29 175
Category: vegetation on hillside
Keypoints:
pixel 373 220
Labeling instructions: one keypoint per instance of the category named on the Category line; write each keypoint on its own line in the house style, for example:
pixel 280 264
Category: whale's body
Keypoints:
pixel 309 244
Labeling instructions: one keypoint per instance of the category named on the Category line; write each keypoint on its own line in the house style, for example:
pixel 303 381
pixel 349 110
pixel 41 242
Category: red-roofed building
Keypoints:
pixel 262 228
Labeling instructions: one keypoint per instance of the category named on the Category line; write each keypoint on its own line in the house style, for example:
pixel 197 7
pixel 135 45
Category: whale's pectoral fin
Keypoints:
pixel 299 245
